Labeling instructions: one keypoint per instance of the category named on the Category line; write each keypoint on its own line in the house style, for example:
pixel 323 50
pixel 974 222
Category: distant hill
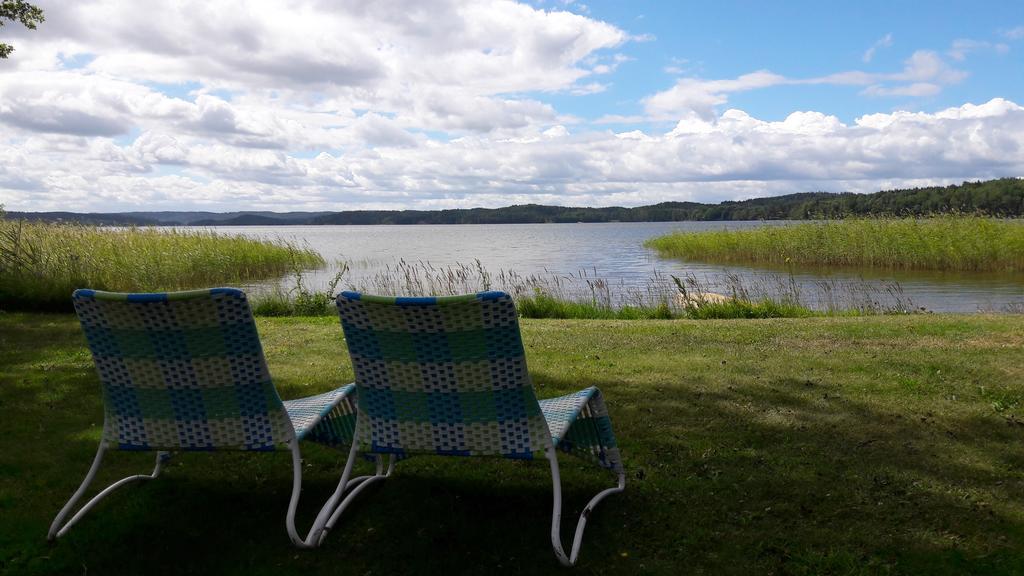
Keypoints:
pixel 250 220
pixel 247 218
pixel 123 219
pixel 1003 197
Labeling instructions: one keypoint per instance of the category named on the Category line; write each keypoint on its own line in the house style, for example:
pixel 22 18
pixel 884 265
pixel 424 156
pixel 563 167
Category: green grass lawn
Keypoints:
pixel 865 445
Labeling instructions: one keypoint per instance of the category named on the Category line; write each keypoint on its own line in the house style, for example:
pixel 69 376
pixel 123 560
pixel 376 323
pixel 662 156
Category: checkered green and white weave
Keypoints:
pixel 448 376
pixel 186 371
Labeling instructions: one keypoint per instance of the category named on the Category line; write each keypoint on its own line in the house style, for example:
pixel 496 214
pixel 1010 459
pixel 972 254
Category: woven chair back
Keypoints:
pixel 442 375
pixel 182 371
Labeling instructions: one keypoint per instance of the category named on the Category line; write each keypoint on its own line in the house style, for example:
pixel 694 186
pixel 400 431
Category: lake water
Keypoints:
pixel 608 259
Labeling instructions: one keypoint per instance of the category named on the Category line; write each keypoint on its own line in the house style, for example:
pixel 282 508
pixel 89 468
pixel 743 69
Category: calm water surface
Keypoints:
pixel 614 252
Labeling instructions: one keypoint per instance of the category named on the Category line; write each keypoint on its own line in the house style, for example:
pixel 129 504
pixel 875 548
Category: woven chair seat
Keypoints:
pixel 326 418
pixel 576 428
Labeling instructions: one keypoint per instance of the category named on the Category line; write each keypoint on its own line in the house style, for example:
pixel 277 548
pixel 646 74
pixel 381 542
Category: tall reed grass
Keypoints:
pixel 41 263
pixel 945 242
pixel 586 295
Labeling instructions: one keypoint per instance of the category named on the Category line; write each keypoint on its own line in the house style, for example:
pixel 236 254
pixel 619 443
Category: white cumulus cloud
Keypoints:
pixel 318 104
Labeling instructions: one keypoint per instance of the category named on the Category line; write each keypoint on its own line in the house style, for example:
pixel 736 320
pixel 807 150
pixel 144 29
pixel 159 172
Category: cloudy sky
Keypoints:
pixel 333 105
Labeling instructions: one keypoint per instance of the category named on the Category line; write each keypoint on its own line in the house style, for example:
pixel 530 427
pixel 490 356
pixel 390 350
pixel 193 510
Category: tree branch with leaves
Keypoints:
pixel 18 11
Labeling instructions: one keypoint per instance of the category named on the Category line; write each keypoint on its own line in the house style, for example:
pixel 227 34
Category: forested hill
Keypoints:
pixel 1004 197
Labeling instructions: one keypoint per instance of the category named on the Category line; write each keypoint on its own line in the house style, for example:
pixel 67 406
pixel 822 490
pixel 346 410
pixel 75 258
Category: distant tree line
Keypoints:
pixel 1004 197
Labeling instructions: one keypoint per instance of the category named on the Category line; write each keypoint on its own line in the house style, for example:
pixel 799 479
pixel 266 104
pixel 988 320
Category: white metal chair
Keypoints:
pixel 185 371
pixel 448 376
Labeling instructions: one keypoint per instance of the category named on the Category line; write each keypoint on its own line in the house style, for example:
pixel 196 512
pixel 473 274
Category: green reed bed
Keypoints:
pixel 693 307
pixel 948 242
pixel 543 306
pixel 733 309
pixel 585 295
pixel 41 264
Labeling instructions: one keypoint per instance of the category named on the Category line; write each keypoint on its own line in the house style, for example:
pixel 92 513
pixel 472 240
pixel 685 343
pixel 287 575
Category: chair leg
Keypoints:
pixel 312 539
pixel 324 519
pixel 381 474
pixel 556 512
pixel 57 530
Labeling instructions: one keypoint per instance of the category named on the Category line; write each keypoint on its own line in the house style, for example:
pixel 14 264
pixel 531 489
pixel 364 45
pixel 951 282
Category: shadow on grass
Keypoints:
pixel 790 477
pixel 214 515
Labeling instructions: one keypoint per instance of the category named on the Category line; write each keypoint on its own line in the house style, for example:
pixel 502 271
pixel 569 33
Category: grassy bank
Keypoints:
pixel 872 445
pixel 971 243
pixel 41 264
pixel 699 308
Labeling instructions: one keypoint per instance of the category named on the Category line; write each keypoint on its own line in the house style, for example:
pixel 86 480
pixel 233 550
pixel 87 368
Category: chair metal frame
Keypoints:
pixel 59 528
pixel 327 518
pixel 556 511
